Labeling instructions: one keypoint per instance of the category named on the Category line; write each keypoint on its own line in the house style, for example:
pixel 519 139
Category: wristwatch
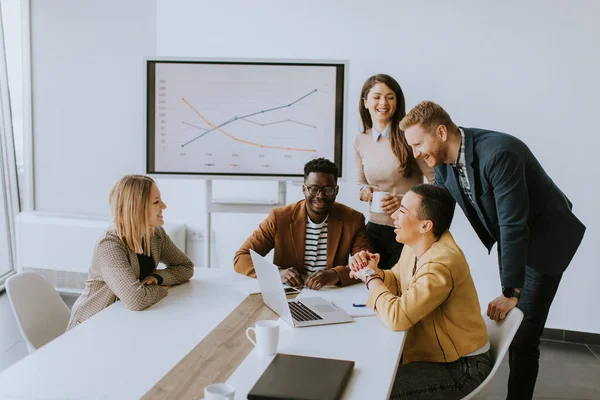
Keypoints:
pixel 369 273
pixel 510 292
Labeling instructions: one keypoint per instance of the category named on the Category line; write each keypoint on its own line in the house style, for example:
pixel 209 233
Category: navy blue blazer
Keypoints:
pixel 516 204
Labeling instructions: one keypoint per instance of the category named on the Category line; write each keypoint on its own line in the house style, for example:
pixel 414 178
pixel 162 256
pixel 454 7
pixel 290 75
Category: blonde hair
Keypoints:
pixel 129 200
pixel 427 114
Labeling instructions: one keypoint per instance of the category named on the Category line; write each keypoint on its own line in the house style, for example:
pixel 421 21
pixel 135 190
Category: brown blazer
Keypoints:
pixel 115 274
pixel 285 231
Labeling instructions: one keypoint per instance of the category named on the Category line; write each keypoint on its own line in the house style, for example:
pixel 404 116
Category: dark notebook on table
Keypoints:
pixel 306 378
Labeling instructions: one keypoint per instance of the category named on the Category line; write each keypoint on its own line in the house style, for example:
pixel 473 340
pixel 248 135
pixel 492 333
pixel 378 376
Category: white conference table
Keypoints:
pixel 374 349
pixel 120 354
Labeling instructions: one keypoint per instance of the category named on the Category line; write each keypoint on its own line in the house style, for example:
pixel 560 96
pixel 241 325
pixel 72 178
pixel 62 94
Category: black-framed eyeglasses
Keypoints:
pixel 327 191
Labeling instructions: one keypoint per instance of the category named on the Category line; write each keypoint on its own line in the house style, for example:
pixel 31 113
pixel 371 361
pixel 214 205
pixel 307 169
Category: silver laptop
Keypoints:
pixel 308 311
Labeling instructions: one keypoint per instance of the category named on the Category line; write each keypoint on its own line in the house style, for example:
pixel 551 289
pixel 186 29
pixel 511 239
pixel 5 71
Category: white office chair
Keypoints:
pixel 40 312
pixel 501 334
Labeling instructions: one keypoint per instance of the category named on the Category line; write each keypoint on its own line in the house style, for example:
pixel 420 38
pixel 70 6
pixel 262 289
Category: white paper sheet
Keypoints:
pixel 353 311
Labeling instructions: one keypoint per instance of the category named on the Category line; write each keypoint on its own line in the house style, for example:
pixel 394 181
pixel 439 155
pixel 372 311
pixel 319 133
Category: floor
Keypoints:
pixel 567 370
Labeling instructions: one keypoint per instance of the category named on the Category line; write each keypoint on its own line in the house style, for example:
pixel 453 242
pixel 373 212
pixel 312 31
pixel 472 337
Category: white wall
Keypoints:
pixel 88 100
pixel 526 68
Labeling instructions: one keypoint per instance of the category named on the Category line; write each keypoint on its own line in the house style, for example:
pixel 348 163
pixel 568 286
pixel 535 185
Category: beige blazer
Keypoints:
pixel 437 306
pixel 115 272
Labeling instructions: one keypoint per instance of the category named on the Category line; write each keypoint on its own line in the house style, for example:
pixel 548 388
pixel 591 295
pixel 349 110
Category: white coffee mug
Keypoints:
pixel 267 336
pixel 376 202
pixel 219 391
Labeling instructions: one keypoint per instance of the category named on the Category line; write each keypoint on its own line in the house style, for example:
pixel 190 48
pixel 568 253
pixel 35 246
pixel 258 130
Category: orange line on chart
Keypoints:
pixel 242 140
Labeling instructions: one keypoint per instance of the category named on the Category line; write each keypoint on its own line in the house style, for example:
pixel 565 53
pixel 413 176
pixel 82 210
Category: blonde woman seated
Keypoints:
pixel 125 258
pixel 430 294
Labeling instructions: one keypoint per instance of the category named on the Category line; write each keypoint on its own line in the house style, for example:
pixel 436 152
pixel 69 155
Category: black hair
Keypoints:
pixel 321 165
pixel 437 205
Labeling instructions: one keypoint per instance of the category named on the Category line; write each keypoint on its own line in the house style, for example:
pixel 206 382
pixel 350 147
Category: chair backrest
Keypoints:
pixel 500 334
pixel 40 312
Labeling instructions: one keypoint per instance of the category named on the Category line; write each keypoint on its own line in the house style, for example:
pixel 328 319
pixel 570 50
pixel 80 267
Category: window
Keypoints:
pixel 12 23
pixel 12 137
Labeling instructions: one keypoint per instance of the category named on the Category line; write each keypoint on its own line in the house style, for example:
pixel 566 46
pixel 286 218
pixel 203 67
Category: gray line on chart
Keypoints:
pixel 193 126
pixel 209 131
pixel 280 122
pixel 249 115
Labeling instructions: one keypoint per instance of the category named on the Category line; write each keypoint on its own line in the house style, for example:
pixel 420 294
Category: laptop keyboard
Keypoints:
pixel 302 313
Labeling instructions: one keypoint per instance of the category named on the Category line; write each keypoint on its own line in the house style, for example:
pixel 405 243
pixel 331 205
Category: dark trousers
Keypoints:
pixel 383 240
pixel 524 352
pixel 441 381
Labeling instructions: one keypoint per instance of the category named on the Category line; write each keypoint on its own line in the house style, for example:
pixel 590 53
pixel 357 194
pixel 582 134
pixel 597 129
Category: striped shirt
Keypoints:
pixel 461 167
pixel 315 247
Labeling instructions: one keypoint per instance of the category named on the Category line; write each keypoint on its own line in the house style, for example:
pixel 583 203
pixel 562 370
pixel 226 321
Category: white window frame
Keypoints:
pixel 8 166
pixel 28 202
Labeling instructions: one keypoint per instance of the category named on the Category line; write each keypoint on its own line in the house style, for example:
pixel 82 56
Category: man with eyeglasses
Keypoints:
pixel 312 238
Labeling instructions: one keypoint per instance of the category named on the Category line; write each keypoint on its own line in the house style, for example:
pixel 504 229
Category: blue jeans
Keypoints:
pixel 441 381
pixel 524 352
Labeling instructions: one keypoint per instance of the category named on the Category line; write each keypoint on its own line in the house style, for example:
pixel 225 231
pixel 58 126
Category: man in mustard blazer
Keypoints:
pixel 312 238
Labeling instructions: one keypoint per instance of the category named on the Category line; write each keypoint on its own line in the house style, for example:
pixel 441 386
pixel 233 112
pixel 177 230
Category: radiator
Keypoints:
pixel 60 247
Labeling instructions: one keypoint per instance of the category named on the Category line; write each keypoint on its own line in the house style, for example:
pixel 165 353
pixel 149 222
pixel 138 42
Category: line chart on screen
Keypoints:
pixel 242 118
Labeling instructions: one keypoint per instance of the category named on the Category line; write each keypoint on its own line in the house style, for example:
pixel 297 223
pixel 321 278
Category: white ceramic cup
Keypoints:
pixel 219 391
pixel 376 202
pixel 267 336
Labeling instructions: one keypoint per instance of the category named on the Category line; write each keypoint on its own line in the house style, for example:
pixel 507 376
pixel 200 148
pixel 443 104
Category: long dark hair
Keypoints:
pixel 398 142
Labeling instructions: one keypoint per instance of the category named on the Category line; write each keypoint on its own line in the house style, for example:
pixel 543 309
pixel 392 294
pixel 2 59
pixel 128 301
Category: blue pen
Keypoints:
pixel 358 305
